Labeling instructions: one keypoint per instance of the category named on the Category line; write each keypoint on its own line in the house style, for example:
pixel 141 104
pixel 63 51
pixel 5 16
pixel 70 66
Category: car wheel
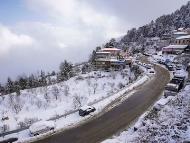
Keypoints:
pixel 36 134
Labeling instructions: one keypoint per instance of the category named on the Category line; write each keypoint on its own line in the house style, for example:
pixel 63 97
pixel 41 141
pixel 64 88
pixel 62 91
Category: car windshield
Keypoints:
pixel 176 81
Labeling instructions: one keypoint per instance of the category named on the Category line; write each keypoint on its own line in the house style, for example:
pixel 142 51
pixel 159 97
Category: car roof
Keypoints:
pixel 41 123
pixel 86 107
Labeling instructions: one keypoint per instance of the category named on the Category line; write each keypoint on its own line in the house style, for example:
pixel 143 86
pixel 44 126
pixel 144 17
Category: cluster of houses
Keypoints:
pixel 111 57
pixel 181 42
pixel 108 58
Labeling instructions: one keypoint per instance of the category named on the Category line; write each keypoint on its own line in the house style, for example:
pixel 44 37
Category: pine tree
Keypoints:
pixel 98 48
pixel 32 81
pixel 92 57
pixel 22 82
pixel 10 85
pixel 66 71
pixel 2 90
pixel 111 44
pixel 42 79
pixel 17 87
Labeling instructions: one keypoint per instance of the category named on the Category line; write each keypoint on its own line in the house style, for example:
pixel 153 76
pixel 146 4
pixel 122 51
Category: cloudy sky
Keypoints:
pixel 39 34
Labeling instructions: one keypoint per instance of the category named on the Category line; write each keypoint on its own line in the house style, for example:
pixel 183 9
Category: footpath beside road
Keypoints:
pixel 119 117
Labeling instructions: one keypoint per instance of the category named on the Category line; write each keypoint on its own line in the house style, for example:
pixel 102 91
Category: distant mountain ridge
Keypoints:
pixel 163 25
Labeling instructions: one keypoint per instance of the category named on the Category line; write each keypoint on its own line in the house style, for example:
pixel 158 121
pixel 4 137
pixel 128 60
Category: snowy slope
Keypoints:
pixel 47 102
pixel 171 124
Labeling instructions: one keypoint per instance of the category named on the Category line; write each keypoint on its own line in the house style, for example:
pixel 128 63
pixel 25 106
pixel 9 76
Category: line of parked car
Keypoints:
pixel 42 127
pixel 149 67
pixel 178 80
pixel 46 126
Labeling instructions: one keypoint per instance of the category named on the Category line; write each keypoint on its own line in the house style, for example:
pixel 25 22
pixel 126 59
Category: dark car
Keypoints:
pixel 9 140
pixel 85 110
pixel 182 79
pixel 170 66
pixel 178 81
pixel 173 87
pixel 179 67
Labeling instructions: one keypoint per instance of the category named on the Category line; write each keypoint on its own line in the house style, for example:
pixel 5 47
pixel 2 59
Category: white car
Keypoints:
pixel 144 64
pixel 149 66
pixel 41 127
pixel 85 110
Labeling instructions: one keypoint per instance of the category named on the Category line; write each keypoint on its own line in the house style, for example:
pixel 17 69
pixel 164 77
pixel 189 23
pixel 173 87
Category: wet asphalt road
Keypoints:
pixel 116 119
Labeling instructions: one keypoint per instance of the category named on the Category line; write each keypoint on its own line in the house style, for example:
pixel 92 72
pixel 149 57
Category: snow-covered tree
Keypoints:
pixel 55 92
pixel 66 71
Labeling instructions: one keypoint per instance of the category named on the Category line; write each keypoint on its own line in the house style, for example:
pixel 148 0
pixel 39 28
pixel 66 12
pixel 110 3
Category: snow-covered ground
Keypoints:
pixel 162 57
pixel 96 88
pixel 74 119
pixel 47 102
pixel 170 123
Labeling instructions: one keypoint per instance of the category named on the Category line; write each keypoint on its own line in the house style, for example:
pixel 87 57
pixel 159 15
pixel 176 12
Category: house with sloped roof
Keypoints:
pixel 181 45
pixel 183 40
pixel 174 49
pixel 107 58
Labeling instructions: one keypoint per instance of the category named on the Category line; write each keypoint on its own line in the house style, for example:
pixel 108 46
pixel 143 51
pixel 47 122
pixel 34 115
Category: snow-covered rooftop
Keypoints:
pixel 175 47
pixel 114 60
pixel 102 52
pixel 103 59
pixel 180 33
pixel 183 37
pixel 155 38
pixel 181 28
pixel 111 49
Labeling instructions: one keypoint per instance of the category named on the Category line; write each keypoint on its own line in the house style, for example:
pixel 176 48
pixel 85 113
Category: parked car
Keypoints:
pixel 170 66
pixel 173 87
pixel 180 74
pixel 9 140
pixel 144 64
pixel 161 61
pixel 85 110
pixel 180 78
pixel 179 67
pixel 149 66
pixel 41 127
pixel 151 71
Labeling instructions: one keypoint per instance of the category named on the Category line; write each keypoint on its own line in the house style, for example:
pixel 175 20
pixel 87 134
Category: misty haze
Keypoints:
pixel 79 71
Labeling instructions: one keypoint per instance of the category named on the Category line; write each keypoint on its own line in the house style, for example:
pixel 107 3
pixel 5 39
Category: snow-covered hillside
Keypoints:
pixel 170 124
pixel 47 102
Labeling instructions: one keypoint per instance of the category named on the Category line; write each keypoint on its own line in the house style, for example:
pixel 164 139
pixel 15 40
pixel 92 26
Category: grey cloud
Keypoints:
pixel 137 12
pixel 47 54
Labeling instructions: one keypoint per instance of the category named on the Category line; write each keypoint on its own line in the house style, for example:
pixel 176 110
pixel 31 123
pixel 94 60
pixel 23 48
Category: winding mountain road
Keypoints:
pixel 118 118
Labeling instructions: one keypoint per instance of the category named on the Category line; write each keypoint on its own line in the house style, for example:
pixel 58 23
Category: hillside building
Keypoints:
pixel 108 58
pixel 181 43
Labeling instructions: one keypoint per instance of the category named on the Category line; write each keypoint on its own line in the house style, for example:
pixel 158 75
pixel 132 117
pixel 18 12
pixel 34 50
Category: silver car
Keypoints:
pixel 41 127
